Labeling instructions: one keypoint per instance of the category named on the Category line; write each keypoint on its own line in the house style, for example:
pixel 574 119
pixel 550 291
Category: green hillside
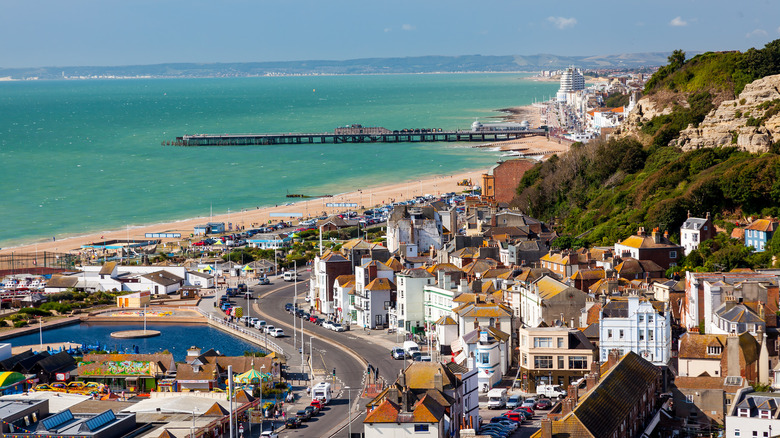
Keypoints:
pixel 603 191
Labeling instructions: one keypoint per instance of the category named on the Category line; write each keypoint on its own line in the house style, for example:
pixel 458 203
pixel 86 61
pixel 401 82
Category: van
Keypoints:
pixel 411 347
pixel 551 391
pixel 322 392
pixel 290 276
pixel 497 398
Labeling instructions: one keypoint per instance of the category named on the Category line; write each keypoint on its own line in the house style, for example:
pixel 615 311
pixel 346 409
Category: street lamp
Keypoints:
pixel 262 411
pixel 349 411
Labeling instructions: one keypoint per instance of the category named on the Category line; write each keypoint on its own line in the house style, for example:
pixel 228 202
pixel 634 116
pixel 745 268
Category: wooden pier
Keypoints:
pixel 404 136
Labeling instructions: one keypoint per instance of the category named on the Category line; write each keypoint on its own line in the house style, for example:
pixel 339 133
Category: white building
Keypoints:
pixel 571 82
pixel 753 414
pixel 419 225
pixel 439 297
pixel 342 286
pixel 487 350
pixel 410 307
pixel 373 295
pixel 631 325
pixel 694 231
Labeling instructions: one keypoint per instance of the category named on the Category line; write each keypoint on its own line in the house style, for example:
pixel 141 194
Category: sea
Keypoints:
pixel 82 156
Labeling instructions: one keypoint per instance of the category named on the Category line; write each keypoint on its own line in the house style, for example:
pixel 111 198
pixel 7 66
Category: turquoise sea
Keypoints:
pixel 85 156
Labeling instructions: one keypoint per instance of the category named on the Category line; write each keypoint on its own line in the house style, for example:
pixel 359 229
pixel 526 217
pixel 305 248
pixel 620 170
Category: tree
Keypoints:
pixel 676 59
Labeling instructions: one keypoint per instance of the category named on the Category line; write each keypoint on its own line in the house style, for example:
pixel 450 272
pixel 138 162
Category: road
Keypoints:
pixel 350 368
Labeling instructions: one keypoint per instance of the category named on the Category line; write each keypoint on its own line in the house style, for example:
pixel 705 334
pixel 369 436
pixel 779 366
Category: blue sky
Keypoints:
pixel 113 32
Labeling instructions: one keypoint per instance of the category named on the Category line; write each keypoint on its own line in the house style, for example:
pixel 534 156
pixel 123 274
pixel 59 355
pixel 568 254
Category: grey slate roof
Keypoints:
pixel 740 313
pixel 693 223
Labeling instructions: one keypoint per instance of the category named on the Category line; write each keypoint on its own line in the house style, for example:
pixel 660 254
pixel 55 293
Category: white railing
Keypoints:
pixel 255 334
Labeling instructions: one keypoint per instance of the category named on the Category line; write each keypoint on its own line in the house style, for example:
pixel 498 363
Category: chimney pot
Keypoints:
pixel 546 428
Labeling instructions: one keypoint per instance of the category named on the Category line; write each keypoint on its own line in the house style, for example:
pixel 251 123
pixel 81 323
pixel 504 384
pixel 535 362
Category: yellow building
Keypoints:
pixel 138 299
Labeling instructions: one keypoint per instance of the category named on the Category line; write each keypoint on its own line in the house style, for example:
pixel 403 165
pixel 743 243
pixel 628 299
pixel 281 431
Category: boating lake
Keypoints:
pixel 174 338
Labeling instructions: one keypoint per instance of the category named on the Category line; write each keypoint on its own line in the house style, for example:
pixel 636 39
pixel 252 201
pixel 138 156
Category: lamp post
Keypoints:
pixel 262 411
pixel 192 424
pixel 349 411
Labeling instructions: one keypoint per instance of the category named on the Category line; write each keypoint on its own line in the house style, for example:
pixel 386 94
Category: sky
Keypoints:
pixel 35 33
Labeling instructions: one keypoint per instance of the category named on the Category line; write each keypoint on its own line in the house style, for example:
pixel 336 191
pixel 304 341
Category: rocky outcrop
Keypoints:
pixel 750 122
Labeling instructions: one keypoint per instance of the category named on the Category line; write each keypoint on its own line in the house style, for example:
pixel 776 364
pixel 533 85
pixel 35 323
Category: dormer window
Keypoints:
pixel 743 412
pixel 714 351
pixel 764 413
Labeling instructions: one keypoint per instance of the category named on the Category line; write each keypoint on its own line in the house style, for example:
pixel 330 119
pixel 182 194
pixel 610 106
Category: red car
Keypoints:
pixel 317 404
pixel 514 416
pixel 543 403
pixel 529 410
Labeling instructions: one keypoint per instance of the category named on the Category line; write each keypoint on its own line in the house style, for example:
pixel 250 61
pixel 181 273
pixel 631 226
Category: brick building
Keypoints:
pixel 501 183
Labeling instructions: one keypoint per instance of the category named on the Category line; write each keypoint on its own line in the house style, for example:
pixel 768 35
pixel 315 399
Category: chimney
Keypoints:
pixel 656 236
pixel 405 400
pixel 476 286
pixel 546 428
pixel 641 232
pixel 402 378
pixel 437 381
pixel 707 216
pixel 590 381
pixel 612 358
pixel 666 235
pixel 732 352
pixel 566 406
pixel 392 394
pixel 463 286
pixel 572 392
pixel 689 213
pixel 595 368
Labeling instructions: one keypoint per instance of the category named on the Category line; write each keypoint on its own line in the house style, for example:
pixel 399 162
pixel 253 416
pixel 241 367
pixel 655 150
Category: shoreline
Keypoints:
pixel 259 215
pixel 369 197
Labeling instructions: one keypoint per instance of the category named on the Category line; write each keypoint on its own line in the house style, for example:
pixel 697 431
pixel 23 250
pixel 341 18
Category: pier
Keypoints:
pixel 356 134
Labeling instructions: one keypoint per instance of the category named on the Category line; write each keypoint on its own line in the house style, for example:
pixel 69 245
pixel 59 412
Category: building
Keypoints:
pixel 500 183
pixel 410 308
pixel 486 350
pixel 342 286
pixel 546 300
pixel 325 269
pixel 702 401
pixel 706 291
pixel 439 297
pixel 126 372
pixel 408 407
pixel 639 326
pixel 572 81
pixel 653 246
pixel 753 414
pixel 553 355
pixel 420 225
pixel 695 231
pixel 32 418
pixel 373 295
pixel 270 241
pixel 759 233
pixel 566 263
pixel 734 356
pixel 618 402
pixel 136 300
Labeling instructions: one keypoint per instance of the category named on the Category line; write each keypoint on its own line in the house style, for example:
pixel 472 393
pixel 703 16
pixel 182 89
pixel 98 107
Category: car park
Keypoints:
pixel 526 409
pixel 397 353
pixel 516 417
pixel 527 415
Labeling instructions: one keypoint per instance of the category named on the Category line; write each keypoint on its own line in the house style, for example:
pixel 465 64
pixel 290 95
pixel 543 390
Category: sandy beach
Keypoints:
pixel 539 147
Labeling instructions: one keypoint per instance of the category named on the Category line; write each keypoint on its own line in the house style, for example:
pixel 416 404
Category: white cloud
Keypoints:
pixel 407 27
pixel 678 21
pixel 562 22
pixel 387 29
pixel 757 33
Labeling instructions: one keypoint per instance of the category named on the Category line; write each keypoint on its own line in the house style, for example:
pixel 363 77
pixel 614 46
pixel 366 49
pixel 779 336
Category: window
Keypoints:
pixel 525 360
pixel 609 333
pixel 484 358
pixel 522 340
pixel 649 318
pixel 737 432
pixel 641 335
pixel 545 362
pixel 650 334
pixel 764 413
pixel 689 398
pixel 672 254
pixel 421 428
pixel 714 350
pixel 621 333
pixel 543 343
pixel 641 317
pixel 578 362
pixel 561 364
pixel 560 342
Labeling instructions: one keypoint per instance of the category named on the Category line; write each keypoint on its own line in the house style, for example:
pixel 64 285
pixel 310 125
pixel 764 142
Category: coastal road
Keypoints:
pixel 350 368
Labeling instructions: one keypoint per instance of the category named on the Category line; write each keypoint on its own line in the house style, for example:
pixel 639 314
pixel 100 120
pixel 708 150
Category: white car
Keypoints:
pixel 336 327
pixel 269 328
pixel 269 434
pixel 277 333
pixel 328 324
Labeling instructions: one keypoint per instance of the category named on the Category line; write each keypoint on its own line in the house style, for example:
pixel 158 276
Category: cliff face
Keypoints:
pixel 750 122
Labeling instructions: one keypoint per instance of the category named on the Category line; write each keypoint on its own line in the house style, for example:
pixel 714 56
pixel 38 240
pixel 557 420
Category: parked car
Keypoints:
pixel 338 327
pixel 397 353
pixel 311 410
pixel 277 333
pixel 516 417
pixel 528 416
pixel 288 307
pixel 528 403
pixel 269 434
pixel 293 422
pixel 526 409
pixel 303 414
pixel 260 324
pixel 317 403
pixel 327 324
pixel 264 280
pixel 543 404
pixel 269 328
pixel 513 402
